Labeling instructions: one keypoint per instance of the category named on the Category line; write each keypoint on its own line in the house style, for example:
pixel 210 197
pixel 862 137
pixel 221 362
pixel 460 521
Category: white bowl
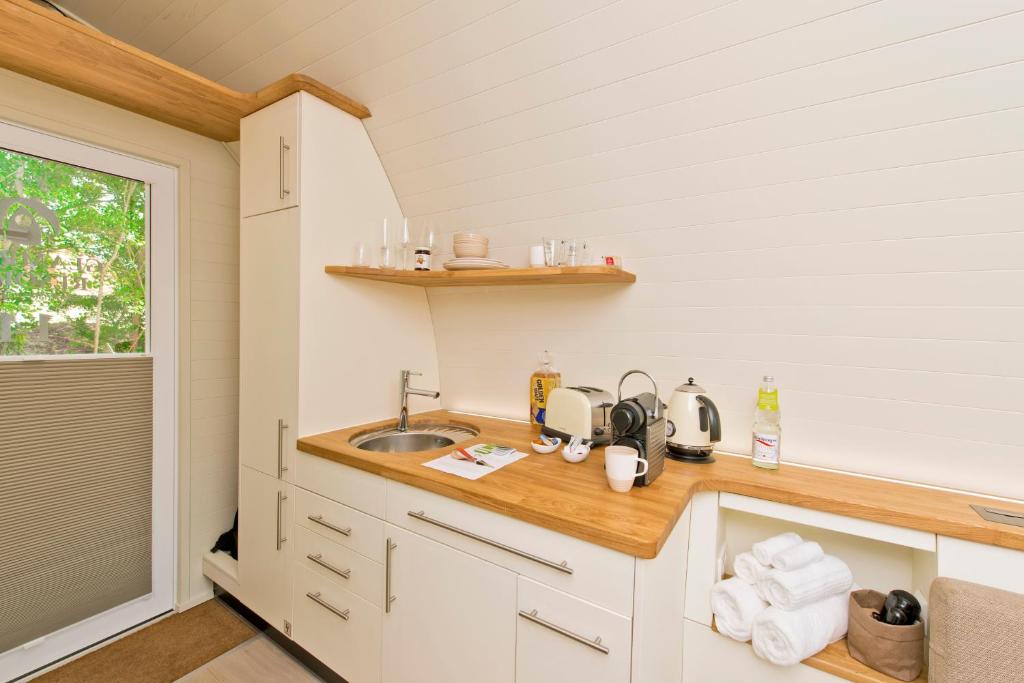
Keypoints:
pixel 470 250
pixel 579 455
pixel 469 237
pixel 542 448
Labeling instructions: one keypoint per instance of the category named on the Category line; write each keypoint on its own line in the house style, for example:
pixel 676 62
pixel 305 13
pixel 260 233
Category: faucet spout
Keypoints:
pixel 406 390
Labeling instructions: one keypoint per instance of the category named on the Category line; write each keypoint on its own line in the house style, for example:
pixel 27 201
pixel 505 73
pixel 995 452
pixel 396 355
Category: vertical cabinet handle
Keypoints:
pixel 281 498
pixel 282 150
pixel 388 597
pixel 281 426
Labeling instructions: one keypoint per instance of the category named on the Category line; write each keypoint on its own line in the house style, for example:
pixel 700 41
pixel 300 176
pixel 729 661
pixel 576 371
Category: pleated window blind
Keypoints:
pixel 76 447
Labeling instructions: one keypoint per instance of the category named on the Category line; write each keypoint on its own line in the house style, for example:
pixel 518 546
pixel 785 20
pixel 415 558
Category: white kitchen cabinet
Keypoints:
pixel 264 530
pixel 269 168
pixel 337 627
pixel 269 344
pixel 561 638
pixel 452 617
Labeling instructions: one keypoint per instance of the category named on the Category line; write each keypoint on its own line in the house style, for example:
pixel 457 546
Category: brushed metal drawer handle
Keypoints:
pixel 594 644
pixel 319 519
pixel 315 597
pixel 282 148
pixel 318 558
pixel 562 566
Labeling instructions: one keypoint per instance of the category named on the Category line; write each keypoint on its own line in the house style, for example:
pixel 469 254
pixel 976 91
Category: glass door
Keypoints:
pixel 87 395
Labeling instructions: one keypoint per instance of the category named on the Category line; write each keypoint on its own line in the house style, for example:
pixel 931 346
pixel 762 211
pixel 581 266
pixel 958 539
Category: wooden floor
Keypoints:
pixel 257 660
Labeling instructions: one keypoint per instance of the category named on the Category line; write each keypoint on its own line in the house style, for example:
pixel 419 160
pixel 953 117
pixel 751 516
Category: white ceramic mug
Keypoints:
pixel 620 467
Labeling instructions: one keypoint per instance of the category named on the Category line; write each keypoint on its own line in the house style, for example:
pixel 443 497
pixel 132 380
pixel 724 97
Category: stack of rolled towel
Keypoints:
pixel 787 596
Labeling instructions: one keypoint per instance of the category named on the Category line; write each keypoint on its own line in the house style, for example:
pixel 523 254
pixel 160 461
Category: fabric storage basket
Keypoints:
pixel 896 651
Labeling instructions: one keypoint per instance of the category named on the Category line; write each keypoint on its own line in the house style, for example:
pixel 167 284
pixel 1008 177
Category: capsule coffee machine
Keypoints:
pixel 639 422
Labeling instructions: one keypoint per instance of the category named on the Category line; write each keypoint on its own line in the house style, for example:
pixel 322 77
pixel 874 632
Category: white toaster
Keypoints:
pixel 579 411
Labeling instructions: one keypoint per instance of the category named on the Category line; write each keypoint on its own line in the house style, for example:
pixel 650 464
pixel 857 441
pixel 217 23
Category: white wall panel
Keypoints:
pixel 830 191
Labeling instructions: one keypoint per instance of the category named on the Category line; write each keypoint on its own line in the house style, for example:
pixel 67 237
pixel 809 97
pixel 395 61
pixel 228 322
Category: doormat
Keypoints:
pixel 162 652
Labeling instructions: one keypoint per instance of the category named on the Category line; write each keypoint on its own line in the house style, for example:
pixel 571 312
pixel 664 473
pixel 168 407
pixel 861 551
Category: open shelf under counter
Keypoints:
pixel 837 660
pixel 561 275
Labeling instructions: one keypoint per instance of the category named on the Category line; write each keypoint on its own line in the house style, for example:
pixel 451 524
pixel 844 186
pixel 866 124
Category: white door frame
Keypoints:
pixel 162 345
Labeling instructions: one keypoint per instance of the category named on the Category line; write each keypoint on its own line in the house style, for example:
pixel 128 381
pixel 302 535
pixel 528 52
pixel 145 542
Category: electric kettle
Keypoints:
pixel 693 424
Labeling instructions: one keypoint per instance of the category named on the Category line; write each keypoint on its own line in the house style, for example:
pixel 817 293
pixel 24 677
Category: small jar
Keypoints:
pixel 421 259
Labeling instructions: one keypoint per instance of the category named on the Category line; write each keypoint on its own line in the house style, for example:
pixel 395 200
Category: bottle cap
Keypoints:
pixel 769 379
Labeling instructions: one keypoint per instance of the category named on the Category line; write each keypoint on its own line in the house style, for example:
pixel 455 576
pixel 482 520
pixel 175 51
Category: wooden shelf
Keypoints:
pixel 836 660
pixel 577 275
pixel 42 44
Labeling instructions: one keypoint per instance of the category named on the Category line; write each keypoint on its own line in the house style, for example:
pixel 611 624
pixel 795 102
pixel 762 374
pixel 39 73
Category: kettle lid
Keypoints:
pixel 690 387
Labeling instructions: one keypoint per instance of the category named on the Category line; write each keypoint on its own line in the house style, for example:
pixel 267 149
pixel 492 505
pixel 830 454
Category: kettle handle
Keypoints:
pixel 639 372
pixel 714 421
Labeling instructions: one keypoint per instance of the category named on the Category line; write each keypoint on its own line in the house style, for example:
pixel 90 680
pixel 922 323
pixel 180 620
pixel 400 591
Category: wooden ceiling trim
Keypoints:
pixel 44 45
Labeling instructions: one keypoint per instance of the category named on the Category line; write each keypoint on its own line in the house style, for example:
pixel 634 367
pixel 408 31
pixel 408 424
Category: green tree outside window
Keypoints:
pixel 72 259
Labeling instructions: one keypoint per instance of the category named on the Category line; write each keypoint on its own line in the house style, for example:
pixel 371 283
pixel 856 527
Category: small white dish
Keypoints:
pixel 578 455
pixel 547 447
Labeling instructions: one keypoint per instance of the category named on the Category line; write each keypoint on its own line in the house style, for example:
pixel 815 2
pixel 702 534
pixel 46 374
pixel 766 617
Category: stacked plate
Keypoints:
pixel 473 263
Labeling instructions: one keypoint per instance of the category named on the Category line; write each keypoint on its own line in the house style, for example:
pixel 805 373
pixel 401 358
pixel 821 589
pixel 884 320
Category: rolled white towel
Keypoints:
pixel 798 556
pixel 788 637
pixel 735 604
pixel 746 567
pixel 792 590
pixel 769 548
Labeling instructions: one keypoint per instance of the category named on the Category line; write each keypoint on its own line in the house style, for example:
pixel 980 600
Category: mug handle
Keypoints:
pixel 646 465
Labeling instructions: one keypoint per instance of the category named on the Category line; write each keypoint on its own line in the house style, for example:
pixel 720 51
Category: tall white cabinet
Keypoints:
pixel 311 187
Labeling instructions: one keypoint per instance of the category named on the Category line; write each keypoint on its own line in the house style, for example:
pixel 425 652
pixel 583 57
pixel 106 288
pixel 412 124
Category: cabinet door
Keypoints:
pixel 269 152
pixel 269 342
pixel 264 527
pixel 451 617
pixel 562 638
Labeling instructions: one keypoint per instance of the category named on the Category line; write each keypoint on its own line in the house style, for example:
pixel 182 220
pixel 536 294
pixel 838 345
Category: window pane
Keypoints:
pixel 72 259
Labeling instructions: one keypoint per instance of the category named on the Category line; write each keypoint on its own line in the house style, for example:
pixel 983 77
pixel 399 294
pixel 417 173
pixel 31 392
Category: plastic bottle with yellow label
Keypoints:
pixel 542 381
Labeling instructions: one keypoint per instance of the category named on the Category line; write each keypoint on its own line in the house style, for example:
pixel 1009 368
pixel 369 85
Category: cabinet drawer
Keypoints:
pixel 349 642
pixel 562 638
pixel 355 488
pixel 597 574
pixel 344 566
pixel 341 524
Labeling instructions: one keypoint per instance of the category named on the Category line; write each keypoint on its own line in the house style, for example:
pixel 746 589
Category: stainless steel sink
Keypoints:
pixel 418 438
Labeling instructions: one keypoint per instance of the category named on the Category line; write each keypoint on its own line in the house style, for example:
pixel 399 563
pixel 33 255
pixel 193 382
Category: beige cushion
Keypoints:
pixel 976 633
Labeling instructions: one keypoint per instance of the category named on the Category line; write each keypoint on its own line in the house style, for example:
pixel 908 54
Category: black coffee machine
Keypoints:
pixel 639 422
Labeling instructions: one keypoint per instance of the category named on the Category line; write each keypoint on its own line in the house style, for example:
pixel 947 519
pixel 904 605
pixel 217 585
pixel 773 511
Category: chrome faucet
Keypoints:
pixel 403 415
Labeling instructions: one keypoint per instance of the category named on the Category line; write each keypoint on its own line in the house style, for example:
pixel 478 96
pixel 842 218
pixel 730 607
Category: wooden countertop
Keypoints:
pixel 574 499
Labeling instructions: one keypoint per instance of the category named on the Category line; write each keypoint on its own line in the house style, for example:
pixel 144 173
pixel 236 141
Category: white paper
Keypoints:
pixel 470 470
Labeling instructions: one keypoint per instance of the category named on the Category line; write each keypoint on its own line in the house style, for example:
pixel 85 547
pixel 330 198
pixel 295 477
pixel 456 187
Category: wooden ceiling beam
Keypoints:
pixel 44 45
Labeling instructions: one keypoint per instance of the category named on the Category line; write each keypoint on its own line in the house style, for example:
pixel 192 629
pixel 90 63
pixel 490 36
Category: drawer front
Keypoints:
pixel 341 524
pixel 594 573
pixel 350 642
pixel 355 488
pixel 344 566
pixel 561 638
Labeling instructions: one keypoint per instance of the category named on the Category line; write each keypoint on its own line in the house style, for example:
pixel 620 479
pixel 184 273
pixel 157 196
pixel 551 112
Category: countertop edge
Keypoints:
pixel 644 549
pixel 900 504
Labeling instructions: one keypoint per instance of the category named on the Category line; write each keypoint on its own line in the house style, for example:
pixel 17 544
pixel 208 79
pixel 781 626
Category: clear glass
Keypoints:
pixel 73 259
pixel 551 252
pixel 387 257
pixel 359 254
pixel 571 254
